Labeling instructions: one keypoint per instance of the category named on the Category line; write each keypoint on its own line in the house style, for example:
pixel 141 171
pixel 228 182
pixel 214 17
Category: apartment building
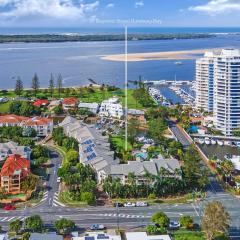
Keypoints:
pixel 111 108
pixel 14 170
pixel 69 103
pixel 43 126
pixel 218 88
pixel 9 148
pixel 204 82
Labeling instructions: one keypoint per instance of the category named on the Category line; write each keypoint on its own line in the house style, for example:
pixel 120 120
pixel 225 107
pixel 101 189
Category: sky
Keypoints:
pixel 113 13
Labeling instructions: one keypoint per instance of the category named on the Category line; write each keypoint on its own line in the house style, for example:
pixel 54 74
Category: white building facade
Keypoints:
pixel 111 108
pixel 204 82
pixel 218 88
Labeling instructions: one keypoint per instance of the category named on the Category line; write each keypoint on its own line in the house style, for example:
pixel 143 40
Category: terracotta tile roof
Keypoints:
pixel 41 102
pixel 35 121
pixel 15 163
pixel 70 101
pixel 24 121
pixel 12 119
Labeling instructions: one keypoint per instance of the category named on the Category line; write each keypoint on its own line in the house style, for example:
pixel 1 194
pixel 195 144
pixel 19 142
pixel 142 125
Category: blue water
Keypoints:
pixel 79 61
pixel 193 129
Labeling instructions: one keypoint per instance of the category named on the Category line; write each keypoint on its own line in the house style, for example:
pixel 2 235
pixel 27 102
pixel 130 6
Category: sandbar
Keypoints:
pixel 171 55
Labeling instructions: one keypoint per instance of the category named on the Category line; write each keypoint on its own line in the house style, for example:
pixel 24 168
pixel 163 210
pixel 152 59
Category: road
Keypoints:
pixel 178 134
pixel 50 209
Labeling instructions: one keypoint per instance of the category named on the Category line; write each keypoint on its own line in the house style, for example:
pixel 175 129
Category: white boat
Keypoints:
pixel 220 143
pixel 178 63
pixel 207 141
pixel 196 140
pixel 213 142
pixel 201 140
pixel 227 143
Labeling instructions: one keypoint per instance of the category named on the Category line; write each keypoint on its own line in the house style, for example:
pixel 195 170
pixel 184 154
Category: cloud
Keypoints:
pixel 214 7
pixel 110 5
pixel 58 9
pixel 139 4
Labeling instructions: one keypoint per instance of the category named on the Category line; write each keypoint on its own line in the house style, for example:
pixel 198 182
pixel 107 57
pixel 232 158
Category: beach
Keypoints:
pixel 171 55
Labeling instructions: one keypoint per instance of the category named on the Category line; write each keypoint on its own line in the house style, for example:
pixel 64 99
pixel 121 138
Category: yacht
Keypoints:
pixel 201 140
pixel 207 141
pixel 196 140
pixel 220 143
pixel 178 63
pixel 227 143
pixel 213 141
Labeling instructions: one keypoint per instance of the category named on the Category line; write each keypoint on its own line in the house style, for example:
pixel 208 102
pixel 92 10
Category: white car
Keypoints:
pixel 97 227
pixel 174 225
pixel 129 204
pixel 58 180
pixel 141 204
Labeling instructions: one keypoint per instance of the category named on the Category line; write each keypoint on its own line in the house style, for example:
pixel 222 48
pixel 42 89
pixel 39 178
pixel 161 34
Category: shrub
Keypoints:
pixel 186 222
pixel 151 230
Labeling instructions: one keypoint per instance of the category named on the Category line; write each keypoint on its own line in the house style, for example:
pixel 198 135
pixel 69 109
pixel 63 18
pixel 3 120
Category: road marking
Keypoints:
pixel 195 209
pixel 4 219
pixel 10 219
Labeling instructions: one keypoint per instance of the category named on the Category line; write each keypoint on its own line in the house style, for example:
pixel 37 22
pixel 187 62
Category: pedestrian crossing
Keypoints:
pixel 52 201
pixel 56 202
pixel 45 197
pixel 12 218
pixel 121 215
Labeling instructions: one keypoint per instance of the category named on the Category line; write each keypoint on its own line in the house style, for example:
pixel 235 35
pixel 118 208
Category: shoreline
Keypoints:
pixel 171 55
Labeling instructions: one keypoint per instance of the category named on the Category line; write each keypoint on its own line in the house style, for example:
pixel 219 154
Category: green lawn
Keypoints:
pixel 119 142
pixel 98 96
pixel 187 235
pixel 83 95
pixel 65 198
pixel 4 107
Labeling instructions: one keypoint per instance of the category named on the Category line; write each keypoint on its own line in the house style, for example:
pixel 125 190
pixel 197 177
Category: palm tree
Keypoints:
pixel 149 178
pixel 227 166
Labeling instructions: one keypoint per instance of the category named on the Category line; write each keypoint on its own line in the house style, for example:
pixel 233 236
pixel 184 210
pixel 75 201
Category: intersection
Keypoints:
pixel 51 209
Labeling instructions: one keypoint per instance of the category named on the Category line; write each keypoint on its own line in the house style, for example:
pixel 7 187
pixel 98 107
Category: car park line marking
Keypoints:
pixel 195 209
pixel 10 219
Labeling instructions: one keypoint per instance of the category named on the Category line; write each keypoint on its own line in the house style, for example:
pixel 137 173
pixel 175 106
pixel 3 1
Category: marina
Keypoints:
pixel 172 91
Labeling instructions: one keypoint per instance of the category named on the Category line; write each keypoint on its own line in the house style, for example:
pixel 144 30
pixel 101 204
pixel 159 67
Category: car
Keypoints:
pixel 9 207
pixel 97 227
pixel 141 204
pixel 174 225
pixel 58 179
pixel 129 204
pixel 118 204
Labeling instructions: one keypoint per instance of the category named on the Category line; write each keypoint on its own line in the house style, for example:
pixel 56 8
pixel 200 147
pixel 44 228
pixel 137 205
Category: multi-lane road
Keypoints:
pixel 50 208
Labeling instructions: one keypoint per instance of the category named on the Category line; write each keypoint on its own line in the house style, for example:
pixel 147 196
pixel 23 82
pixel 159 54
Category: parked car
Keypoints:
pixel 9 207
pixel 58 179
pixel 118 205
pixel 129 204
pixel 174 225
pixel 141 204
pixel 97 227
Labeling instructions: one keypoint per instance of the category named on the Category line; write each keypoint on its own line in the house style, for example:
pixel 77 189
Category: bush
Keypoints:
pixel 151 196
pixel 160 219
pixel 88 197
pixel 72 157
pixel 186 222
pixel 151 230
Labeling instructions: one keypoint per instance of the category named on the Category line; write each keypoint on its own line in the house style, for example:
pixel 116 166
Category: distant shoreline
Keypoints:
pixel 171 55
pixel 54 38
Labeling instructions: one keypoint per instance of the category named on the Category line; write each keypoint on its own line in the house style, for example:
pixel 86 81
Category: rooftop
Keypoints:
pixel 15 163
pixel 70 101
